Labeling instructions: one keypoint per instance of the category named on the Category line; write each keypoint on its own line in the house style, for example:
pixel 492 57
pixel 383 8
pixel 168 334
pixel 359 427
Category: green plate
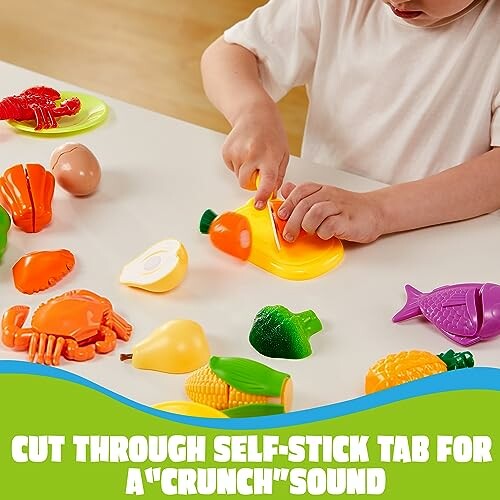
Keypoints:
pixel 93 112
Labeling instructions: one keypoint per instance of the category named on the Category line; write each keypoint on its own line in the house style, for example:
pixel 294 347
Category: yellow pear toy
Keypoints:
pixel 160 268
pixel 178 346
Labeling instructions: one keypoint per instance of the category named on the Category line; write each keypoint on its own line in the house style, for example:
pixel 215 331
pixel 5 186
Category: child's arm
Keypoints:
pixel 258 141
pixel 462 192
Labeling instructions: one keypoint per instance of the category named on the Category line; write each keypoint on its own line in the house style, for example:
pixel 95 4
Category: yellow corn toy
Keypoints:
pixel 229 384
pixel 407 366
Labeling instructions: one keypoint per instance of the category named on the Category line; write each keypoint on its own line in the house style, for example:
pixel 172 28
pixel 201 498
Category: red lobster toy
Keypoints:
pixel 39 104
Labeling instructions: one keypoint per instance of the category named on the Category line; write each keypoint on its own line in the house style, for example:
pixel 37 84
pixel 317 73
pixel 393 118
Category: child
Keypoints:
pixel 405 92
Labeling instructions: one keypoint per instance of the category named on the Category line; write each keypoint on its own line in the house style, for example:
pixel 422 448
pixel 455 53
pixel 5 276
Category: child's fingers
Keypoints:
pixel 333 226
pixel 294 223
pixel 282 171
pixel 295 197
pixel 317 214
pixel 247 174
pixel 287 189
pixel 266 187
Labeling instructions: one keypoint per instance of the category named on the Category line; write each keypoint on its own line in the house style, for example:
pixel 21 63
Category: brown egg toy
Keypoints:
pixel 76 169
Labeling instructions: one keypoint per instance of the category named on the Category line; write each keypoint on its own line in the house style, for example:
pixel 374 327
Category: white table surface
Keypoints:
pixel 159 175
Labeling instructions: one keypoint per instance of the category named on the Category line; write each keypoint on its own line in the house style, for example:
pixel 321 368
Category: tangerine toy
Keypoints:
pixel 407 366
pixel 257 236
pixel 226 383
pixel 279 333
pixel 26 192
pixel 38 271
pixel 76 325
pixel 4 229
pixel 229 232
pixel 466 313
pixel 39 104
pixel 178 346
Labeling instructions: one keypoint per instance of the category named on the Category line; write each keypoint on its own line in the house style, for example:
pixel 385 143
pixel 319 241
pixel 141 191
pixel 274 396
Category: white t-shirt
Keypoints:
pixel 387 100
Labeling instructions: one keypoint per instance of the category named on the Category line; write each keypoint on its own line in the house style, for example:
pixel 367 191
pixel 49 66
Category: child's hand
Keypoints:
pixel 329 211
pixel 258 144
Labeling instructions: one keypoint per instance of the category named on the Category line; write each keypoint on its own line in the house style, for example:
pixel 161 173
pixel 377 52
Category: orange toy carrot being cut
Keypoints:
pixel 407 366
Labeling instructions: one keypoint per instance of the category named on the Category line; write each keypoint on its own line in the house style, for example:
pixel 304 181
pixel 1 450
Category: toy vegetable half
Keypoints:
pixel 407 366
pixel 229 232
pixel 233 382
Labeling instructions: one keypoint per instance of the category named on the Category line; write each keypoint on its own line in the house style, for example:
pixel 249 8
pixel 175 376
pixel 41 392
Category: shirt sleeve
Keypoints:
pixel 495 122
pixel 284 35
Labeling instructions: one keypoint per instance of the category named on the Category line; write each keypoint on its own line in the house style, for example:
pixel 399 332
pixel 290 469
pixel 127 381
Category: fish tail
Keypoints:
pixel 411 309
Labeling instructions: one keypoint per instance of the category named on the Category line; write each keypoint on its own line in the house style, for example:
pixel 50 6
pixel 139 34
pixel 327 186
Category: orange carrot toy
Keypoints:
pixel 229 232
pixel 407 366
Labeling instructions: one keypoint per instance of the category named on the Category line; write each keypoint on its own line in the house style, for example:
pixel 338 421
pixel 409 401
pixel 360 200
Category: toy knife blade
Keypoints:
pixel 272 215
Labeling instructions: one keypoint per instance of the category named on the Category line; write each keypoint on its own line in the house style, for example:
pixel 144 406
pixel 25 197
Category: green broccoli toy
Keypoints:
pixel 280 333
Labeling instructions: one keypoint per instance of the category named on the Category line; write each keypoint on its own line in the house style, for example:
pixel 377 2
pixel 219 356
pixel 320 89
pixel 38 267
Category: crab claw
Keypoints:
pixel 69 107
pixel 13 335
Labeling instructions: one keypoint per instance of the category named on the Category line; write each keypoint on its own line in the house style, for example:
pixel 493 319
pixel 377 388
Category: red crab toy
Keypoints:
pixel 39 104
pixel 75 325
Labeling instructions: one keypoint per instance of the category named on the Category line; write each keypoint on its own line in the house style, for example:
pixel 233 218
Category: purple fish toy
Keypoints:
pixel 466 313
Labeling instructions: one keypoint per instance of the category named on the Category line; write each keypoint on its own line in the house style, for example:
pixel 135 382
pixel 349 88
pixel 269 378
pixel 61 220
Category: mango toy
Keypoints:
pixel 4 229
pixel 407 366
pixel 160 268
pixel 178 346
pixel 190 409
pixel 279 333
pixel 229 232
pixel 26 192
pixel 76 169
pixel 226 383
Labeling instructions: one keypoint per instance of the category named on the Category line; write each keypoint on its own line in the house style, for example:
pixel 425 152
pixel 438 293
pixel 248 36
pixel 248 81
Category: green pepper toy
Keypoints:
pixel 4 229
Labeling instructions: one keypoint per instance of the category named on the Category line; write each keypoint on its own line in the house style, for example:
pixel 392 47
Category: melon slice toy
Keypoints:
pixel 159 269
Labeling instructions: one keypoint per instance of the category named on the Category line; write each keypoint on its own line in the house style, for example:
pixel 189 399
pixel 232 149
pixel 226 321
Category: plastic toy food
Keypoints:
pixel 38 271
pixel 465 313
pixel 160 268
pixel 231 382
pixel 26 192
pixel 256 236
pixel 76 169
pixel 407 366
pixel 190 409
pixel 279 333
pixel 75 325
pixel 39 104
pixel 176 347
pixel 4 229
pixel 229 232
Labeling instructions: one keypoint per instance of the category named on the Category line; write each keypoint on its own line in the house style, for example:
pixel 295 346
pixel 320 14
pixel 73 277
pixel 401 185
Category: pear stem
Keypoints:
pixel 124 357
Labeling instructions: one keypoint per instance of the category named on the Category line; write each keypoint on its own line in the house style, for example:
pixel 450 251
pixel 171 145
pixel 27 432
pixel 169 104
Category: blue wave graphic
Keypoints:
pixel 480 378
